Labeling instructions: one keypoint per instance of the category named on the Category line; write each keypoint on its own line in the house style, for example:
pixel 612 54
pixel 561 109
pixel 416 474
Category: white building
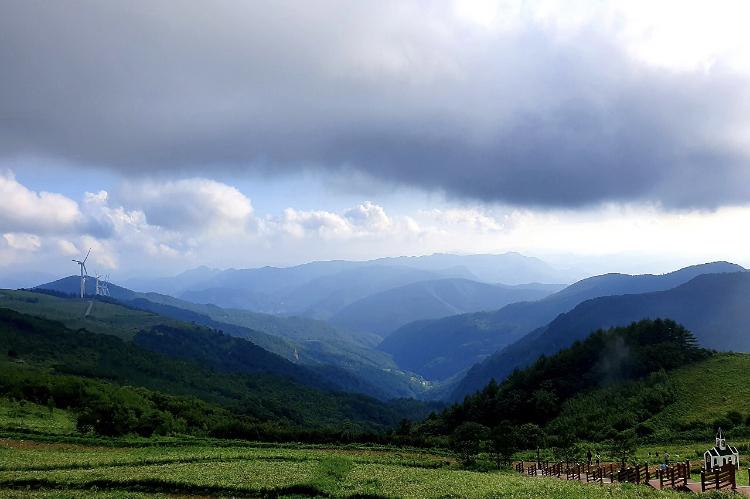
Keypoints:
pixel 721 454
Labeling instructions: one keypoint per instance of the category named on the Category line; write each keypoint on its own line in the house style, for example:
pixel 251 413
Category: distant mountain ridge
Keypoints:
pixel 442 348
pixel 322 289
pixel 715 307
pixel 384 312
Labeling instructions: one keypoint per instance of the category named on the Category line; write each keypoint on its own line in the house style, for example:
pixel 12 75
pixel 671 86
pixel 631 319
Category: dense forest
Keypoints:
pixel 603 388
pixel 118 387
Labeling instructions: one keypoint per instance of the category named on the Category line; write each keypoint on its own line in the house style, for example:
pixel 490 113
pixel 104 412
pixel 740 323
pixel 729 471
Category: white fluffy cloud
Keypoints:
pixel 24 210
pixel 23 242
pixel 369 216
pixel 190 204
pixel 214 224
pixel 364 221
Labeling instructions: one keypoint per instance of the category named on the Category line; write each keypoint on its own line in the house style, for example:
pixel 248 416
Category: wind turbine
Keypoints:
pixel 101 285
pixel 84 273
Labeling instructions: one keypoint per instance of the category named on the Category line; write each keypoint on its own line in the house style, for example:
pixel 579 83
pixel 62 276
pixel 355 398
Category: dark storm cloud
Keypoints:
pixel 396 90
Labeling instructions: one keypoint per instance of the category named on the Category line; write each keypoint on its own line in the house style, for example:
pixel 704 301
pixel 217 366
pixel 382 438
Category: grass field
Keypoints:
pixel 52 469
pixel 708 390
pixel 33 417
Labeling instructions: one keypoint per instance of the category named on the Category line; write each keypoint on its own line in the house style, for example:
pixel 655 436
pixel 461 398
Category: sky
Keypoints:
pixel 601 135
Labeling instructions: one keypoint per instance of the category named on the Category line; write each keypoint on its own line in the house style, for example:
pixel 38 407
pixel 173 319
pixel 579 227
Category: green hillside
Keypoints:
pixel 346 365
pixel 343 357
pixel 25 416
pixel 136 386
pixel 647 383
pixel 707 392
pixel 685 404
pixel 105 318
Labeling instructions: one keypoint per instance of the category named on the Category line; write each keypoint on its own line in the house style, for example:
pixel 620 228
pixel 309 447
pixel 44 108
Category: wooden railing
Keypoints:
pixel 519 467
pixel 552 469
pixel 573 472
pixel 531 469
pixel 596 474
pixel 719 478
pixel 635 474
pixel 674 476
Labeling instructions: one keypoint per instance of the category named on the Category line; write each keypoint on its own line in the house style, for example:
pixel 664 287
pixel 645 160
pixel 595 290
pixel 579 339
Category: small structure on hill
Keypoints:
pixel 721 454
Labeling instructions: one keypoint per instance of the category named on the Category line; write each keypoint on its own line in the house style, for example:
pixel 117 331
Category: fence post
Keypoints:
pixel 703 480
pixel 687 472
pixel 671 475
pixel 716 477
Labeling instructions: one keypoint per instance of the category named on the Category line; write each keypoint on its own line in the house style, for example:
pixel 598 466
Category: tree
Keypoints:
pixel 404 427
pixel 624 445
pixel 466 441
pixel 530 436
pixel 503 442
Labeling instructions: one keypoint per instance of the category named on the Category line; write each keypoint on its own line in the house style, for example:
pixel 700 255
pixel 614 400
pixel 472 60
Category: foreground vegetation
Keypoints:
pixel 242 469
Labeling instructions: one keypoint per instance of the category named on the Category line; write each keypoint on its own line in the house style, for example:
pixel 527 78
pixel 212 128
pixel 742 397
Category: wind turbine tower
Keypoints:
pixel 101 285
pixel 84 273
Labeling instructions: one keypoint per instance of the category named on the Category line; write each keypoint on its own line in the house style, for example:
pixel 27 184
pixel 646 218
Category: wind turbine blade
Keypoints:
pixel 87 256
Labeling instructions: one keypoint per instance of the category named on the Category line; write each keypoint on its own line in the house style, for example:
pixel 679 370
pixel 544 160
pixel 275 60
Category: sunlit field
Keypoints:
pixel 238 469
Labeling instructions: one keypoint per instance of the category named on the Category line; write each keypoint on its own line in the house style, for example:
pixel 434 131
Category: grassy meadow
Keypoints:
pixel 47 469
pixel 42 456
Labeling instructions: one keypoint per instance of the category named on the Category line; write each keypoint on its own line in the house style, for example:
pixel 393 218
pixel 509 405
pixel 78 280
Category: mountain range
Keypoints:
pixel 441 354
pixel 714 307
pixel 323 289
pixel 443 348
pixel 384 312
pixel 315 344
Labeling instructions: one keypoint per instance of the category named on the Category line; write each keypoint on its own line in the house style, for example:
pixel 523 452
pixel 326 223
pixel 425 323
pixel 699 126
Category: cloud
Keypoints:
pixel 40 212
pixel 190 204
pixel 23 242
pixel 472 219
pixel 369 216
pixel 531 104
pixel 364 221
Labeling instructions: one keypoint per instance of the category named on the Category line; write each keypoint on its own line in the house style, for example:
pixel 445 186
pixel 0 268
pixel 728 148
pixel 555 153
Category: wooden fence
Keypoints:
pixel 552 469
pixel 596 474
pixel 573 472
pixel 674 476
pixel 719 478
pixel 635 474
